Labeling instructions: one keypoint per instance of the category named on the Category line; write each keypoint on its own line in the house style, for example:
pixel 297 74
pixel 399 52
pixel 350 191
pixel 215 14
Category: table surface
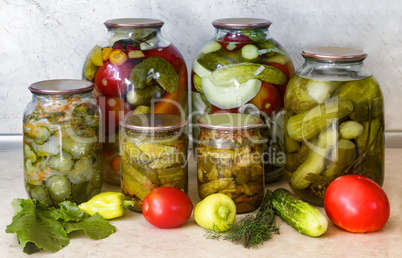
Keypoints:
pixel 134 235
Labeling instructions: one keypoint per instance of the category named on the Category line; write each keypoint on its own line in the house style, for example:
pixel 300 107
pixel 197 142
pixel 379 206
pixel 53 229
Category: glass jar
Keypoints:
pixel 244 70
pixel 230 159
pixel 62 150
pixel 154 149
pixel 134 69
pixel 334 121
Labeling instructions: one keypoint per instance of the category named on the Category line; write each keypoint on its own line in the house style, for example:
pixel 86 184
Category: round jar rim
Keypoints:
pixel 152 122
pixel 334 54
pixel 229 121
pixel 134 23
pixel 241 23
pixel 61 86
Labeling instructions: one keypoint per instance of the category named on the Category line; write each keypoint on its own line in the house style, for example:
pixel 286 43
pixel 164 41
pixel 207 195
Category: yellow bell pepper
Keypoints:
pixel 109 205
pixel 117 57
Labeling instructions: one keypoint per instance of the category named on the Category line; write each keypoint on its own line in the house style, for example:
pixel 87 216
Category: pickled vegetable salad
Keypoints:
pixel 62 151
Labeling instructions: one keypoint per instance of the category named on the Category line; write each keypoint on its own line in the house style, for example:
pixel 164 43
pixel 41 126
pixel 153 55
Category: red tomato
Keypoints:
pixel 113 80
pixel 215 109
pixel 267 99
pixel 234 41
pixel 356 204
pixel 167 207
pixel 113 109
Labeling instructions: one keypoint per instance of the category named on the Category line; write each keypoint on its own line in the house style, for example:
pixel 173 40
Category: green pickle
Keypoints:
pixel 353 111
pixel 152 159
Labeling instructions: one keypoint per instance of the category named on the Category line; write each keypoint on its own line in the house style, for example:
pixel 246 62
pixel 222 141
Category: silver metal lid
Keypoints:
pixel 133 23
pixel 62 86
pixel 153 122
pixel 241 23
pixel 229 121
pixel 334 54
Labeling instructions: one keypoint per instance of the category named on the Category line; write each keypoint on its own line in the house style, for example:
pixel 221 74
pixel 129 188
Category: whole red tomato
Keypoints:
pixel 113 80
pixel 167 207
pixel 234 41
pixel 113 109
pixel 267 99
pixel 356 204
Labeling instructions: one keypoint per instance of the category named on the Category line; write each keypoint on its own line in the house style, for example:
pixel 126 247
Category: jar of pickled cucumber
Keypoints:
pixel 334 122
pixel 62 149
pixel 154 150
pixel 242 69
pixel 230 159
pixel 134 69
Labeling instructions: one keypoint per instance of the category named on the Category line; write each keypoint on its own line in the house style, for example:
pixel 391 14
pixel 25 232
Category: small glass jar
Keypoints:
pixel 242 69
pixel 153 150
pixel 334 122
pixel 134 69
pixel 230 159
pixel 62 149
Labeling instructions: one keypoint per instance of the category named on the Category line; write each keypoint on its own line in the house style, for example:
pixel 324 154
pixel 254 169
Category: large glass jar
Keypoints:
pixel 134 69
pixel 154 150
pixel 334 122
pixel 230 159
pixel 62 149
pixel 244 70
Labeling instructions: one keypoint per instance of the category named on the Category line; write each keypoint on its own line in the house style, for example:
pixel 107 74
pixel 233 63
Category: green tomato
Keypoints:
pixel 59 188
pixel 216 212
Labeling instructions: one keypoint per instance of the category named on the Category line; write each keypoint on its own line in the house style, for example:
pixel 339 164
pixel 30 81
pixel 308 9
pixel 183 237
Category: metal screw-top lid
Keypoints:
pixel 241 23
pixel 334 54
pixel 153 122
pixel 134 23
pixel 62 86
pixel 229 121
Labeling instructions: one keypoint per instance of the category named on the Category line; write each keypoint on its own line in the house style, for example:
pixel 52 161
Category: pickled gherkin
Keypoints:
pixel 152 159
pixel 353 110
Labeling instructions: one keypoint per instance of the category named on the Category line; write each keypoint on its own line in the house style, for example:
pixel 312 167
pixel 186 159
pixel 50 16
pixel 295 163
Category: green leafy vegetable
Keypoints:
pixel 253 229
pixel 39 226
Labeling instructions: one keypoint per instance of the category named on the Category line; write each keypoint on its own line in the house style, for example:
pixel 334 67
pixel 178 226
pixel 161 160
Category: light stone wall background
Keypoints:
pixel 49 39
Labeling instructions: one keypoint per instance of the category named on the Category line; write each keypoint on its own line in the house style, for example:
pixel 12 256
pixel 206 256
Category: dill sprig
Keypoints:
pixel 253 229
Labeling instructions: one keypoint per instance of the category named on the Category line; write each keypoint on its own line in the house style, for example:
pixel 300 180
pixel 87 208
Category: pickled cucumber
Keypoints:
pixel 158 69
pixel 144 96
pixel 315 162
pixel 345 155
pixel 306 125
pixel 233 75
pixel 350 130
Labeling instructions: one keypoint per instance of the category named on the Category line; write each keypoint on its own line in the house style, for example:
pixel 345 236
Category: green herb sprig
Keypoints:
pixel 253 229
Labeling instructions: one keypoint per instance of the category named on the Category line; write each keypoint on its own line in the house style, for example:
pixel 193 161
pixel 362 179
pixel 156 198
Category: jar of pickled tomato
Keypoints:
pixel 134 69
pixel 242 69
pixel 62 148
pixel 230 159
pixel 334 122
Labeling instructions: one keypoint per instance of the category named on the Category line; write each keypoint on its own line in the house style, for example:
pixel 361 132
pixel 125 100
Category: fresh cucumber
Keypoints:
pixel 300 215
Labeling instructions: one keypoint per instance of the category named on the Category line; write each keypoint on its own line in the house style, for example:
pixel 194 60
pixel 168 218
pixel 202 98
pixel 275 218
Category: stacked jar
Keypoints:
pixel 62 149
pixel 134 69
pixel 244 70
pixel 334 122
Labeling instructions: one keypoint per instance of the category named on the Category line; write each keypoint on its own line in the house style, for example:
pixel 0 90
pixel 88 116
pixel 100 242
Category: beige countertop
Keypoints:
pixel 135 236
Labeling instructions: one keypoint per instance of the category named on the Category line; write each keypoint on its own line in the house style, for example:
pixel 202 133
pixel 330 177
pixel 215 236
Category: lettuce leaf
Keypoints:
pixel 41 227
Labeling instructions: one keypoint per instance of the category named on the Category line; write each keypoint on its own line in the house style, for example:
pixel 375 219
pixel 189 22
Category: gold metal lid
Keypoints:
pixel 334 54
pixel 133 23
pixel 62 86
pixel 229 121
pixel 153 122
pixel 241 23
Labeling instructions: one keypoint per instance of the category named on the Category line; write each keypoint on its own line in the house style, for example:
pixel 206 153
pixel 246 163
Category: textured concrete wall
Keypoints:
pixel 50 39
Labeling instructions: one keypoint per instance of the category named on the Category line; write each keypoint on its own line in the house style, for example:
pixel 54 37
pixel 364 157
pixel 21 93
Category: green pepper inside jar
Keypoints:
pixel 62 149
pixel 230 159
pixel 334 122
pixel 153 150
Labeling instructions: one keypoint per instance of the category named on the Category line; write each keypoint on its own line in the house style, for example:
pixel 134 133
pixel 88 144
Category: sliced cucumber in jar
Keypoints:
pixel 59 188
